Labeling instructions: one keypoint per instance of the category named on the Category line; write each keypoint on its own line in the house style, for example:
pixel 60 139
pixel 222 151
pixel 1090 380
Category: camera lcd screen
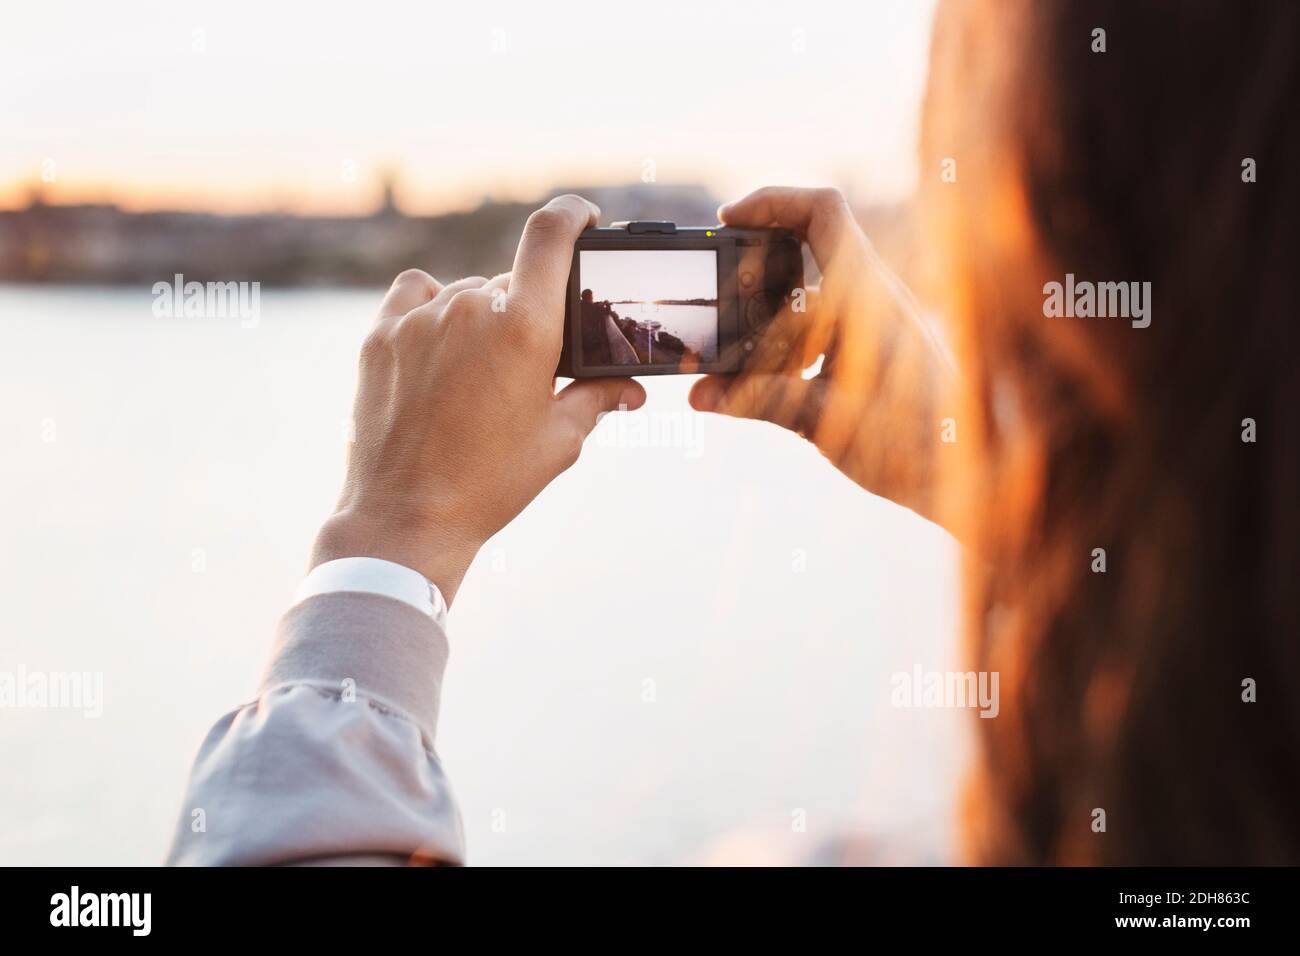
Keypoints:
pixel 648 306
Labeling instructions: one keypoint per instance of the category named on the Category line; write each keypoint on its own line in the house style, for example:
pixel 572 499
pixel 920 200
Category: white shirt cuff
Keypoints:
pixel 375 576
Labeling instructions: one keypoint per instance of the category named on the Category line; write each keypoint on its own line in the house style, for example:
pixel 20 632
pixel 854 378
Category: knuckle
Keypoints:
pixel 411 328
pixel 548 221
pixel 464 303
pixel 377 346
pixel 572 204
pixel 829 199
pixel 571 446
pixel 414 277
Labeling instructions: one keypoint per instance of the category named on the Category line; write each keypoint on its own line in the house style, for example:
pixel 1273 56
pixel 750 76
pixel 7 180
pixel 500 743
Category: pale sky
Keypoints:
pixel 645 275
pixel 237 104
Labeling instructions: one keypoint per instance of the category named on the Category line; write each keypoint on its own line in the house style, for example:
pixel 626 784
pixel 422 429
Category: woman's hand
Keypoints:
pixel 872 407
pixel 458 425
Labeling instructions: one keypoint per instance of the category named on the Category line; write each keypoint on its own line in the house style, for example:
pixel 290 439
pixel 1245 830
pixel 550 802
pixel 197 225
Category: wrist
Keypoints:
pixel 439 553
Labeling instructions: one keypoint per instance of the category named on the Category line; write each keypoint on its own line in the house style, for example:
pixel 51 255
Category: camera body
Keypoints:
pixel 654 298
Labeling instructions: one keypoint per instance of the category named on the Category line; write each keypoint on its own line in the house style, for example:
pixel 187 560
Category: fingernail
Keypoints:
pixel 628 398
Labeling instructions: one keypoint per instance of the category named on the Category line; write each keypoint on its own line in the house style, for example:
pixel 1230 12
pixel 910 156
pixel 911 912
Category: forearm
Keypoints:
pixel 334 760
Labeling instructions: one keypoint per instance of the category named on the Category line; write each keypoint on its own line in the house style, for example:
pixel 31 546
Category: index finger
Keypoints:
pixel 541 269
pixel 821 216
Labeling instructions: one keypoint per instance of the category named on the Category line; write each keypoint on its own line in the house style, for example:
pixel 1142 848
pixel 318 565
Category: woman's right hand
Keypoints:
pixel 872 409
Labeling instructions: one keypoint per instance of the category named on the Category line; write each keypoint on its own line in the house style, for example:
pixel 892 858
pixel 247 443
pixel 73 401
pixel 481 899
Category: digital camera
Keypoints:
pixel 654 298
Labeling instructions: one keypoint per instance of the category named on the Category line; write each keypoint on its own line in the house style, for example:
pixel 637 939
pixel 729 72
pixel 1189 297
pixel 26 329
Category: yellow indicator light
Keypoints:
pixel 708 232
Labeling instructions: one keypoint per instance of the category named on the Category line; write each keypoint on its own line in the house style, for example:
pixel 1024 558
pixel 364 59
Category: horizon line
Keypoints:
pixel 22 195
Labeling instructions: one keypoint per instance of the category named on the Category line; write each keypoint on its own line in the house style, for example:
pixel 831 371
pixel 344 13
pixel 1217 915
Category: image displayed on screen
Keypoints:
pixel 648 306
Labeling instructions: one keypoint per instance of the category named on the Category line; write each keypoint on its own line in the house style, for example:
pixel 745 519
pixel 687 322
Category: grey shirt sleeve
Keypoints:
pixel 333 762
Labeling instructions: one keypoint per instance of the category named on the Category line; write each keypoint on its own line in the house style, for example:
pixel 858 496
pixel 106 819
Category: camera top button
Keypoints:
pixel 660 227
pixel 746 279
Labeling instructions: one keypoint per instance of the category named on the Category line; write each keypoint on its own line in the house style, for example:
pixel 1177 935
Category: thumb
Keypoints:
pixel 583 401
pixel 785 400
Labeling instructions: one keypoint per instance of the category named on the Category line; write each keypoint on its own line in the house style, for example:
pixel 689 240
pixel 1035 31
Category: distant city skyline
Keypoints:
pixel 52 243
pixel 153 105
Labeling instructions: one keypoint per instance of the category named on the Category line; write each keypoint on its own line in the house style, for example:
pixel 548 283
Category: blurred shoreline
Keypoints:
pixel 106 245
pixel 102 244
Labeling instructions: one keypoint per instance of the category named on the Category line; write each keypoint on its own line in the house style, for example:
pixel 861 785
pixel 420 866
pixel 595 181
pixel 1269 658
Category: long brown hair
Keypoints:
pixel 1161 150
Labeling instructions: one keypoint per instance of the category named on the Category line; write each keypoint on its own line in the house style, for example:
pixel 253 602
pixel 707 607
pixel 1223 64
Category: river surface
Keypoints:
pixel 681 651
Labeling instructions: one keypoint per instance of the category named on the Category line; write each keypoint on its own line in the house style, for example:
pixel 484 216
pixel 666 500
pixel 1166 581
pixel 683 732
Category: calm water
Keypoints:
pixel 160 484
pixel 696 325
